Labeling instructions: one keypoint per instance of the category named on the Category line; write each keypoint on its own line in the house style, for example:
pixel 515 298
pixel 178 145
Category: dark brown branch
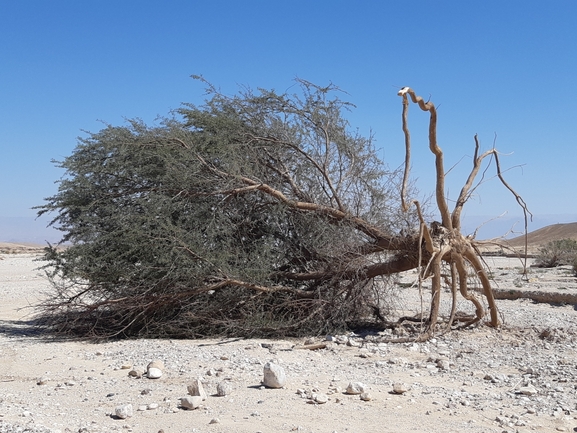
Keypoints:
pixel 394 266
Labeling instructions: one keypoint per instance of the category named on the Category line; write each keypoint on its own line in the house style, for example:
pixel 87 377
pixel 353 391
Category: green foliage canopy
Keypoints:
pixel 256 214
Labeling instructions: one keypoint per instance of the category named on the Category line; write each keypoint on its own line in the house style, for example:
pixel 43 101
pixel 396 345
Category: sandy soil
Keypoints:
pixel 520 378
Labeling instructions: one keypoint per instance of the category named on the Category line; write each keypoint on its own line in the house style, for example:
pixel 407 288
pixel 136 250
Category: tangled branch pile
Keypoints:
pixel 258 214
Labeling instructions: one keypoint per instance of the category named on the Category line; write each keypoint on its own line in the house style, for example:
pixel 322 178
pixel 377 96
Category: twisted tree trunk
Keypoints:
pixel 444 240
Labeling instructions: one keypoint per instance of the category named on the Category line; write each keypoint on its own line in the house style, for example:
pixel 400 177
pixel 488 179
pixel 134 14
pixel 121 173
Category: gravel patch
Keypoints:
pixel 519 378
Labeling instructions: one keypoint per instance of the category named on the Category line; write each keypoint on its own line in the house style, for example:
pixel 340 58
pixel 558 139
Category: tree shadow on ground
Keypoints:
pixel 23 328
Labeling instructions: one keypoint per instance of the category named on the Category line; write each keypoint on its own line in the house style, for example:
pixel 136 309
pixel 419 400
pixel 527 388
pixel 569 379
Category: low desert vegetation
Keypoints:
pixel 258 214
pixel 557 253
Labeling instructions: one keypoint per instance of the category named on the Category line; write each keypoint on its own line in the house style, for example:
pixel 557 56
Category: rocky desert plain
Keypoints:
pixel 521 377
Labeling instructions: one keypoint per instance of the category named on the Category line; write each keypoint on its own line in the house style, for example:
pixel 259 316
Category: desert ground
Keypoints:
pixel 521 377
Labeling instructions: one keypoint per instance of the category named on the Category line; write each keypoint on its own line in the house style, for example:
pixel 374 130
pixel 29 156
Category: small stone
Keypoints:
pixel 356 388
pixel 152 406
pixel 154 369
pixel 320 398
pixel 274 376
pixel 214 421
pixel 366 396
pixel 353 343
pixel 142 408
pixel 443 364
pixel 192 402
pixel 342 339
pixel 70 383
pixel 156 364
pixel 528 390
pixel 197 390
pixel 153 373
pixel 400 388
pixel 223 389
pixel 42 381
pixel 124 411
pixel 126 366
pixel 136 372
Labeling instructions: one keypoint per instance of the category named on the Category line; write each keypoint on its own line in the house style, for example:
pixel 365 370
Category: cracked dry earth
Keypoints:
pixel 520 378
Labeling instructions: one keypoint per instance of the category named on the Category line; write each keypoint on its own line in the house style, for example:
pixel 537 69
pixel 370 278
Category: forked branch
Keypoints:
pixel 444 240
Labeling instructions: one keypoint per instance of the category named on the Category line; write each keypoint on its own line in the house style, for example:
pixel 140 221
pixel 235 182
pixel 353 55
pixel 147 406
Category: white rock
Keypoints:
pixel 342 339
pixel 42 381
pixel 443 364
pixel 223 388
pixel 353 343
pixel 192 402
pixel 366 396
pixel 356 388
pixel 152 406
pixel 154 369
pixel 156 364
pixel 274 376
pixel 154 373
pixel 197 390
pixel 124 411
pixel 528 390
pixel 320 398
pixel 400 388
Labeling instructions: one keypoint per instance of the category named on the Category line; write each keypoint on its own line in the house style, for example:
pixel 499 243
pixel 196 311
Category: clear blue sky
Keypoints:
pixel 504 69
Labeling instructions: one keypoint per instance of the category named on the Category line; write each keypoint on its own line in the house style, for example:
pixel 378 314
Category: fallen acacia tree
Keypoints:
pixel 258 214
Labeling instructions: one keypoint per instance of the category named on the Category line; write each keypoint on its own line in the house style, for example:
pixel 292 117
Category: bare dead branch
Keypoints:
pixel 434 147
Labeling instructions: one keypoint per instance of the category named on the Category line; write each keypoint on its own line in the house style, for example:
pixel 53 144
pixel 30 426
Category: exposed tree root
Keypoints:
pixel 444 240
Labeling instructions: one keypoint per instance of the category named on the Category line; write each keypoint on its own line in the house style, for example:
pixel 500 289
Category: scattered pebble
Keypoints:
pixel 196 389
pixel 154 369
pixel 223 388
pixel 356 388
pixel 366 396
pixel 191 402
pixel 400 388
pixel 274 376
pixel 124 411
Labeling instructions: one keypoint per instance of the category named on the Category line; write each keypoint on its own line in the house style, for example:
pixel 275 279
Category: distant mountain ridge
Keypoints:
pixel 546 234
